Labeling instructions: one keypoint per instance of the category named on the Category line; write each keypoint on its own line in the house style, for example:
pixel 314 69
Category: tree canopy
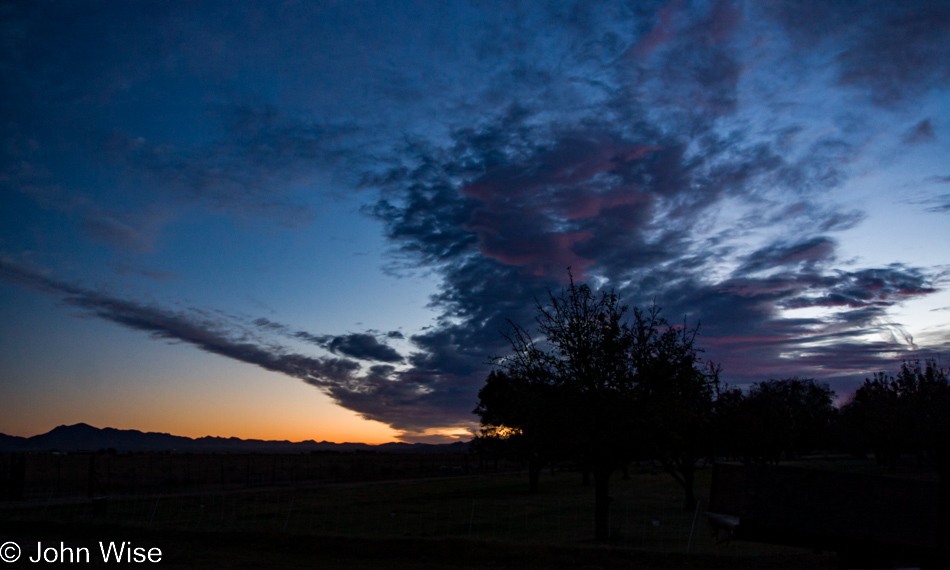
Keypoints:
pixel 598 386
pixel 909 413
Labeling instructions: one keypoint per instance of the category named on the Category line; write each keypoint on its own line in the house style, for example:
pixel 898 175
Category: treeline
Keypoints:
pixel 888 417
pixel 602 386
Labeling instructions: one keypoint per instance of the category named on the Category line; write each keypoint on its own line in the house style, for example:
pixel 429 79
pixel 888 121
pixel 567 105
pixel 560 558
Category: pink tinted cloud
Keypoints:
pixel 537 252
pixel 717 28
pixel 574 161
pixel 525 207
pixel 658 36
pixel 575 204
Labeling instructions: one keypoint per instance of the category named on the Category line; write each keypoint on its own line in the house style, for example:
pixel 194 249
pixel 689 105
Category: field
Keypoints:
pixel 480 521
pixel 84 474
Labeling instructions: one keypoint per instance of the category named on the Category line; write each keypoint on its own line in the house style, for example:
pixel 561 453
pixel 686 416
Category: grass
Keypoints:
pixel 907 467
pixel 491 518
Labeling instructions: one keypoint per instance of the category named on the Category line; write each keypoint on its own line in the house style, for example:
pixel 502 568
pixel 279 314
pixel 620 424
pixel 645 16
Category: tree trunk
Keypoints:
pixel 601 504
pixel 689 472
pixel 943 516
pixel 689 504
pixel 534 472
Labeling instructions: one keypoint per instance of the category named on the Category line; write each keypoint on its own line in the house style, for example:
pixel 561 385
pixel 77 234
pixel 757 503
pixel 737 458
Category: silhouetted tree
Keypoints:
pixel 779 417
pixel 924 393
pixel 584 380
pixel 794 413
pixel 603 387
pixel 522 417
pixel 906 414
pixel 728 424
pixel 872 419
pixel 676 396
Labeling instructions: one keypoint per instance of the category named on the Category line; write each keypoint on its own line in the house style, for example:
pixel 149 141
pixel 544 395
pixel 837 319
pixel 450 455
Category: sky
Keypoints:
pixel 314 220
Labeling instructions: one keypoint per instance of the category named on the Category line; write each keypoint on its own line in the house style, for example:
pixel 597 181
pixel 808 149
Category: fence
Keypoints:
pixel 84 474
pixel 646 513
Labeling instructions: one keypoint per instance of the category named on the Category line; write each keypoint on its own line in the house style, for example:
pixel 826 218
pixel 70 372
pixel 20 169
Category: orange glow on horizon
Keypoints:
pixel 232 401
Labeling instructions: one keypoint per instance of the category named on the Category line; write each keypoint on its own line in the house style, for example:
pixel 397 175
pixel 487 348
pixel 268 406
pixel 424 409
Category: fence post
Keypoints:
pixel 692 528
pixel 290 508
pixel 151 519
pixel 471 518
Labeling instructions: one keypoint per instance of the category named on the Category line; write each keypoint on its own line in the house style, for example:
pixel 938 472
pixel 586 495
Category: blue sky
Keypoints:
pixel 311 220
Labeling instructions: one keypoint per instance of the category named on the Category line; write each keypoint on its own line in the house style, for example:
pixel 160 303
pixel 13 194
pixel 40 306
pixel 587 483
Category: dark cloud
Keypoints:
pixel 894 51
pixel 920 133
pixel 939 204
pixel 901 53
pixel 584 198
pixel 942 204
pixel 362 346
pixel 745 327
pixel 190 327
pixel 500 217
pixel 159 275
pixel 805 254
pixel 269 325
pixel 858 289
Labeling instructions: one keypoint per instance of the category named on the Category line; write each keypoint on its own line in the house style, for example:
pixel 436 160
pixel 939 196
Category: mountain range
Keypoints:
pixel 84 437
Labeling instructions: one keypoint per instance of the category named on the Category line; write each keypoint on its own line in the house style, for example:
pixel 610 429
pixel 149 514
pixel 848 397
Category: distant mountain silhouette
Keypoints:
pixel 84 437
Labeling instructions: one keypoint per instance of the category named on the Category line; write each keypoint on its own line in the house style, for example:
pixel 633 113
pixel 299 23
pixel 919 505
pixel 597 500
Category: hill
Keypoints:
pixel 84 437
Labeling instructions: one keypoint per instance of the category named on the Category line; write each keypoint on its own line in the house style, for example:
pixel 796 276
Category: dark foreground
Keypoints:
pixel 263 550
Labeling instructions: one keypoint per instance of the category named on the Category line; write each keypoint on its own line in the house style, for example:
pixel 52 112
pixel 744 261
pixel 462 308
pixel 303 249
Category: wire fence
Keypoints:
pixel 649 518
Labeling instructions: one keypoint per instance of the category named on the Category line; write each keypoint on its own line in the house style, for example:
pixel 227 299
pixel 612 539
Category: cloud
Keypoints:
pixel 500 218
pixel 159 275
pixel 942 204
pixel 894 52
pixel 750 324
pixel 190 327
pixel 807 254
pixel 920 133
pixel 939 203
pixel 363 346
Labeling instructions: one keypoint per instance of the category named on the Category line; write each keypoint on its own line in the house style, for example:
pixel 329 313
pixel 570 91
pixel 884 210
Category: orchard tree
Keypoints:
pixel 909 413
pixel 521 417
pixel 925 391
pixel 794 413
pixel 676 395
pixel 874 419
pixel 579 375
pixel 787 417
pixel 585 372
